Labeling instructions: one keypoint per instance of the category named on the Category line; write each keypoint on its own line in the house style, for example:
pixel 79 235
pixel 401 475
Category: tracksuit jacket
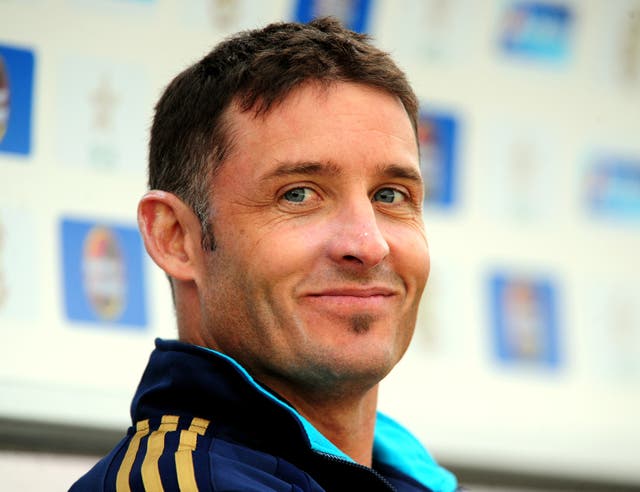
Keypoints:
pixel 201 422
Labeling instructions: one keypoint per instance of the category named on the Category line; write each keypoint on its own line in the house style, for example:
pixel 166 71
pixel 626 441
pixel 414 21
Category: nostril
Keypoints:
pixel 352 258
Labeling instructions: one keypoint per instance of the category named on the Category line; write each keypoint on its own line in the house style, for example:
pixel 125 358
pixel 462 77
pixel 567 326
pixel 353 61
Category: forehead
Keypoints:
pixel 335 123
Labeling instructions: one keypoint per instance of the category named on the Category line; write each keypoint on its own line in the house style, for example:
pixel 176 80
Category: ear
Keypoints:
pixel 171 234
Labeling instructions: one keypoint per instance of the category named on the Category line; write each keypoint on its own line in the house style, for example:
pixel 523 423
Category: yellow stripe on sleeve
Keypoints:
pixel 155 447
pixel 184 455
pixel 122 478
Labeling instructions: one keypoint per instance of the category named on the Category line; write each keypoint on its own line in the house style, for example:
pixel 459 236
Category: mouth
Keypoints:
pixel 350 300
pixel 359 292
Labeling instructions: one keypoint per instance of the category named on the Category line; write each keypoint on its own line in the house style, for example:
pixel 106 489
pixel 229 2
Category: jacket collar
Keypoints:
pixel 187 379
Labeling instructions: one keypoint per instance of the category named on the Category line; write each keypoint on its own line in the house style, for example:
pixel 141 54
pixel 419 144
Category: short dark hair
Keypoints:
pixel 258 69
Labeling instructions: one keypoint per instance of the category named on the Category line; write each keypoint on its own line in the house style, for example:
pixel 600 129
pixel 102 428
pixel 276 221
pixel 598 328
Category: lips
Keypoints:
pixel 353 300
pixel 355 292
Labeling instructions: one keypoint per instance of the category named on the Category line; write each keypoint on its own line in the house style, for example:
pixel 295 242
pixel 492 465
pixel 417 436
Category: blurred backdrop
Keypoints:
pixel 525 367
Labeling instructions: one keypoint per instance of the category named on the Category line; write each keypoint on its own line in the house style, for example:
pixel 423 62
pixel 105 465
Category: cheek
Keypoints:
pixel 410 255
pixel 291 240
pixel 283 253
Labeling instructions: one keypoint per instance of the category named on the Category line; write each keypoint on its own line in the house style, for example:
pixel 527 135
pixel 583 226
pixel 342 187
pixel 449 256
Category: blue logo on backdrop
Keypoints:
pixel 354 14
pixel 537 30
pixel 103 274
pixel 613 187
pixel 16 95
pixel 524 320
pixel 438 135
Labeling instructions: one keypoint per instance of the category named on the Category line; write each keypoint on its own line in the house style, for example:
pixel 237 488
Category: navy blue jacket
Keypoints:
pixel 203 423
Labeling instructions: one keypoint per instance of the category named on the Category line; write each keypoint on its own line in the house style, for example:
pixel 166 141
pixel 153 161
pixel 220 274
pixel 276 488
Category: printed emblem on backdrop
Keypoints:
pixel 524 319
pixel 117 8
pixel 439 323
pixel 620 42
pixel 536 30
pixel 16 99
pixel 224 13
pixel 19 286
pixel 102 115
pixel 228 16
pixel 612 187
pixel 113 5
pixel 521 175
pixel 614 311
pixel 629 46
pixel 4 290
pixel 103 274
pixel 437 136
pixel 429 30
pixel 354 14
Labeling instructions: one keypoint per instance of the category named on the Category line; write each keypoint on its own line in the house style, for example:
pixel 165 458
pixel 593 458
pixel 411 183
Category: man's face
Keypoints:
pixel 321 253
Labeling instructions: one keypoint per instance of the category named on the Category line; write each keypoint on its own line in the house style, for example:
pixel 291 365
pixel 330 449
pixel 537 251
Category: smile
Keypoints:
pixel 376 299
pixel 356 292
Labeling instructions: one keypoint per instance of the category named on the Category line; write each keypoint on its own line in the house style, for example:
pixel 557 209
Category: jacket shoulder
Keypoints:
pixel 158 454
pixel 182 453
pixel 95 479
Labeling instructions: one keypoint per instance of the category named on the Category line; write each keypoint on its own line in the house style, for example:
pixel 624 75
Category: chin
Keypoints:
pixel 351 366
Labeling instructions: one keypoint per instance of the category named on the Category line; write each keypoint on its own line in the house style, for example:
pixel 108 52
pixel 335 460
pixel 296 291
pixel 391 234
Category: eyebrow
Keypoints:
pixel 402 172
pixel 313 168
pixel 305 168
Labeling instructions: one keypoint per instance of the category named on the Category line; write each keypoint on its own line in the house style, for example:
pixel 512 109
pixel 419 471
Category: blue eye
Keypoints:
pixel 297 195
pixel 388 195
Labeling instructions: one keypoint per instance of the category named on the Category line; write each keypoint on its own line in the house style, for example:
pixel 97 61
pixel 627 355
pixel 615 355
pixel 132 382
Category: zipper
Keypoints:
pixel 357 466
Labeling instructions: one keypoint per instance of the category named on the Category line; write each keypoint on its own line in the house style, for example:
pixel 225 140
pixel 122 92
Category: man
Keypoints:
pixel 285 207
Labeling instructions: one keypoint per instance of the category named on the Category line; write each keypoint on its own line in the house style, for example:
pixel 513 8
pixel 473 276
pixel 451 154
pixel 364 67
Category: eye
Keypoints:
pixel 298 195
pixel 389 195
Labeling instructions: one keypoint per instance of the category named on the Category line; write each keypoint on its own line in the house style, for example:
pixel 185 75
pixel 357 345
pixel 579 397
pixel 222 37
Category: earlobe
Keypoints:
pixel 171 233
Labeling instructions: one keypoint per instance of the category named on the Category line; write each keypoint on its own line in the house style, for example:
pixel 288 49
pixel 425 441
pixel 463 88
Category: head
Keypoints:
pixel 289 212
pixel 190 136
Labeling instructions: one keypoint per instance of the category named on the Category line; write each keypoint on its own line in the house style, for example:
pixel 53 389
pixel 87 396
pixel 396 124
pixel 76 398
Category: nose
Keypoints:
pixel 357 241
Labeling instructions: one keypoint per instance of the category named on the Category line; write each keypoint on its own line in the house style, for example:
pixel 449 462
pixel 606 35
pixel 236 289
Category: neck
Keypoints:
pixel 348 422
